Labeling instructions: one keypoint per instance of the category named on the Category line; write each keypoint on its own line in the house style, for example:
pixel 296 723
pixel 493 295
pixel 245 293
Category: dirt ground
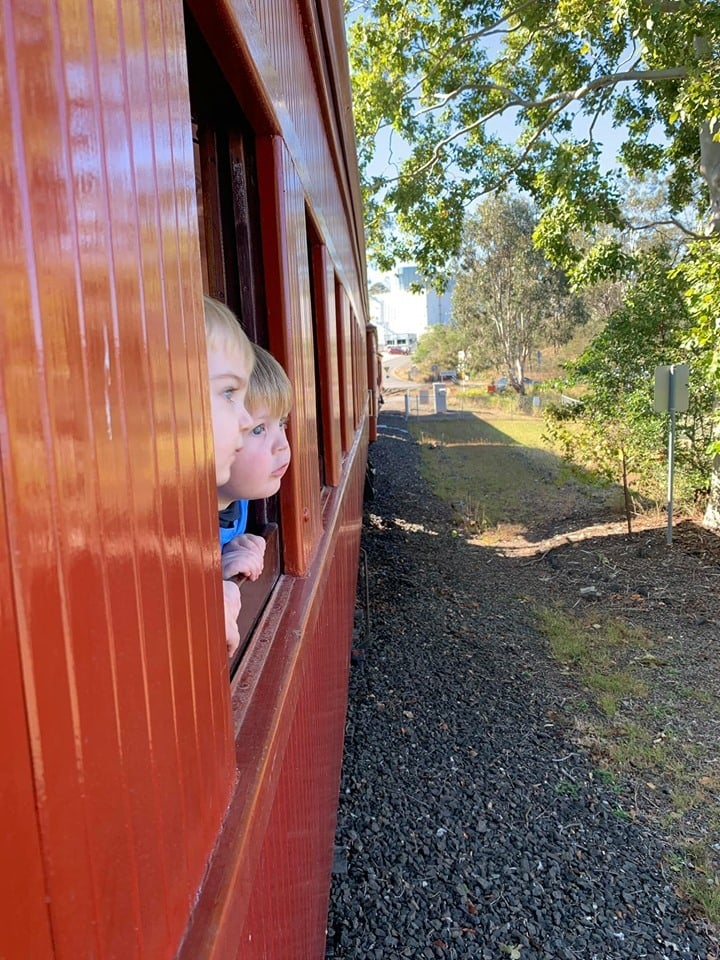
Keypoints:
pixel 573 550
pixel 671 593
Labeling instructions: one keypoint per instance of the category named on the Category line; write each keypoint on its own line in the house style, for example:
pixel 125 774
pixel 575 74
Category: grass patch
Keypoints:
pixel 485 468
pixel 634 739
pixel 635 747
pixel 499 473
pixel 566 636
pixel 698 879
pixel 608 778
pixel 587 648
pixel 633 712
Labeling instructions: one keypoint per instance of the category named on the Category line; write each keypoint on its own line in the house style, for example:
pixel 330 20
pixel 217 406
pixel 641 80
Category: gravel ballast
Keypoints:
pixel 469 825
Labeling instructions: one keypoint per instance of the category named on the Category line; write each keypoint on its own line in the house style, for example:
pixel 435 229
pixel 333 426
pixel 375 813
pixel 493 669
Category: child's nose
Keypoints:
pixel 281 440
pixel 244 418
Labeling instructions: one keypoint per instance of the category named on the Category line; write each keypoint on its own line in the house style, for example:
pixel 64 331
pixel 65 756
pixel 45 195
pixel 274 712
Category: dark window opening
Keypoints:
pixel 230 249
pixel 317 303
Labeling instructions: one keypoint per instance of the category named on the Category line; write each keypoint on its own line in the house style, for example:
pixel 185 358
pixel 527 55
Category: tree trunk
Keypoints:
pixel 710 171
pixel 626 491
pixel 709 151
pixel 711 520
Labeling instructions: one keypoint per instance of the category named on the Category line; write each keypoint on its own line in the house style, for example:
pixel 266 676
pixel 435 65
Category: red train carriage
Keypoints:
pixel 156 804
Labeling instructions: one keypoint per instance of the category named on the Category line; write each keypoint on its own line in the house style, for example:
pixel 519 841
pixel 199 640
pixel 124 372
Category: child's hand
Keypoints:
pixel 231 596
pixel 244 554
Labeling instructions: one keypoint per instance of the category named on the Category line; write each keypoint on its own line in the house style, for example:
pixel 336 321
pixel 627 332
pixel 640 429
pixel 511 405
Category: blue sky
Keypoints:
pixel 603 133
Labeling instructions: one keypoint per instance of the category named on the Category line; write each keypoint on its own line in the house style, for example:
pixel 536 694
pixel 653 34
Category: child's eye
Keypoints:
pixel 258 431
pixel 284 423
pixel 229 393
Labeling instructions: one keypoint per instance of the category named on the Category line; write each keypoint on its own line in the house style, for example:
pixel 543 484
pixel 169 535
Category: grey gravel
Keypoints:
pixel 468 825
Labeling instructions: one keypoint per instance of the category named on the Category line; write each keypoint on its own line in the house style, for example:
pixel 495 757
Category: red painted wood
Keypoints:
pixel 372 368
pixel 262 47
pixel 359 380
pixel 267 889
pixel 25 922
pixel 345 363
pixel 107 477
pixel 114 672
pixel 293 875
pixel 363 381
pixel 287 274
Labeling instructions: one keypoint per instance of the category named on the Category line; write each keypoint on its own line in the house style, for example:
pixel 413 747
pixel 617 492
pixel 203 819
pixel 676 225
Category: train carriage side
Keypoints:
pixel 156 801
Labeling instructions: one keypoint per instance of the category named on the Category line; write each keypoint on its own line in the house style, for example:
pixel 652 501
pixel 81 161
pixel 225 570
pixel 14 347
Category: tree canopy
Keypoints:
pixel 437 74
pixel 440 345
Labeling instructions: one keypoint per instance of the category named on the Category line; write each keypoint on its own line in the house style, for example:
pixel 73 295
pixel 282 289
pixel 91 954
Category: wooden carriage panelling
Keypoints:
pixel 142 797
pixel 328 371
pixel 113 593
pixel 373 379
pixel 266 894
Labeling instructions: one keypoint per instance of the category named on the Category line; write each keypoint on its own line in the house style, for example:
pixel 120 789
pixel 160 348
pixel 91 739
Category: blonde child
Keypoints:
pixel 259 466
pixel 230 363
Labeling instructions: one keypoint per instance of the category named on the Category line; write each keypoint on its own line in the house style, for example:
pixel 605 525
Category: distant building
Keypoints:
pixel 439 306
pixel 407 276
pixel 400 314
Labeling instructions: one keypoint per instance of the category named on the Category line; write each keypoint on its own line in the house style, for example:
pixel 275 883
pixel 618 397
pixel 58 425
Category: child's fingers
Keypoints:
pixel 232 603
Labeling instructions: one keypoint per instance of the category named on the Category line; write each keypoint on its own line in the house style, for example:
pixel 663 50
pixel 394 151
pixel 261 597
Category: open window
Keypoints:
pixel 230 249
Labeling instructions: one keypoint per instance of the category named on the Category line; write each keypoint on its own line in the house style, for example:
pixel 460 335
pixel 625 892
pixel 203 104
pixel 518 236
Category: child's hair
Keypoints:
pixel 268 386
pixel 223 330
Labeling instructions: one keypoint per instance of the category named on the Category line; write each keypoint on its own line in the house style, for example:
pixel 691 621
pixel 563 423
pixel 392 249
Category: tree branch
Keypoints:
pixel 459 133
pixel 673 222
pixel 563 96
pixel 468 39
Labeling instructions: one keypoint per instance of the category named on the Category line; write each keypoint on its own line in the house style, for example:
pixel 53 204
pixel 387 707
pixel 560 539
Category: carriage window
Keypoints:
pixel 345 360
pixel 230 250
pixel 318 301
pixel 327 376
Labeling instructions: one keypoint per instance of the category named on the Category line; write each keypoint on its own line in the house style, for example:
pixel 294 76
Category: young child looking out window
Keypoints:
pixel 258 467
pixel 230 362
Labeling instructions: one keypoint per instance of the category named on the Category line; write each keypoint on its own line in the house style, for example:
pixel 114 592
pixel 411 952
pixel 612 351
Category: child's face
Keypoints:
pixel 261 464
pixel 229 376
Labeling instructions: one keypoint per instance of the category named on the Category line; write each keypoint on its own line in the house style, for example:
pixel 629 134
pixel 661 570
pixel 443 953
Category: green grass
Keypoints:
pixel 698 879
pixel 588 648
pixel 483 466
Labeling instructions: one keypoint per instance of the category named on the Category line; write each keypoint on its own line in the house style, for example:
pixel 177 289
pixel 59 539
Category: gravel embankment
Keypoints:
pixel 472 827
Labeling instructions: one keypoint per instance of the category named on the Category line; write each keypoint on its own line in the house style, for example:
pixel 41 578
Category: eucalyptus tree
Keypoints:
pixel 508 299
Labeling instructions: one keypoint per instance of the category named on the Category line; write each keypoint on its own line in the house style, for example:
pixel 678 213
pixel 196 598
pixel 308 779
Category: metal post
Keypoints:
pixel 407 404
pixel 671 458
